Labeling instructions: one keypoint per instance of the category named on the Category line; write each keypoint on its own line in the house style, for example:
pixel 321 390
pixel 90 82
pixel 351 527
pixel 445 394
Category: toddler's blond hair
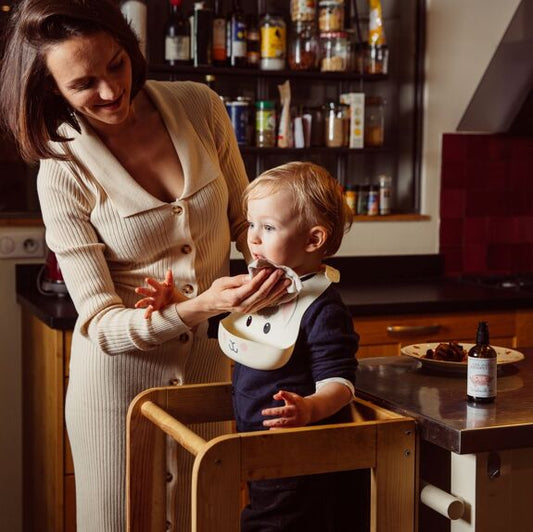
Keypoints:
pixel 318 198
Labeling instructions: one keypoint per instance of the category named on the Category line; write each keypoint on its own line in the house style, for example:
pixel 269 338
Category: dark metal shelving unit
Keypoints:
pixel 402 87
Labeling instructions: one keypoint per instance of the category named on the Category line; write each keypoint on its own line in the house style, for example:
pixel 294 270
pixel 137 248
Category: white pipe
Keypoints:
pixel 445 504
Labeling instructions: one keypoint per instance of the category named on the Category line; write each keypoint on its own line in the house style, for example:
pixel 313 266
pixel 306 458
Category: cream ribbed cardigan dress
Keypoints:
pixel 109 234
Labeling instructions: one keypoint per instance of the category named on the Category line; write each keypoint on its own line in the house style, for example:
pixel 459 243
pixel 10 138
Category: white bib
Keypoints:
pixel 266 340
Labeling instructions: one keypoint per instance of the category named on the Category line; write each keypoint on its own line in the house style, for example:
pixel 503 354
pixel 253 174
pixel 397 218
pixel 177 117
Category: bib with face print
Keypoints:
pixel 266 340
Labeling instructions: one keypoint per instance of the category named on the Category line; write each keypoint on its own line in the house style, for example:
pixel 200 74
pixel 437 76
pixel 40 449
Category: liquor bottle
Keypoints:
pixel 253 52
pixel 220 55
pixel 482 368
pixel 236 37
pixel 134 12
pixel 177 36
pixel 202 34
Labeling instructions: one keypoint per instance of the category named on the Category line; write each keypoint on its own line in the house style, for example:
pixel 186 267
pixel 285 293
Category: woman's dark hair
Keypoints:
pixel 30 106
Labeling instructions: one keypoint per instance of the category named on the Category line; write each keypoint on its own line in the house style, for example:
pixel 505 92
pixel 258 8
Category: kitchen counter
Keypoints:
pixel 385 285
pixel 437 401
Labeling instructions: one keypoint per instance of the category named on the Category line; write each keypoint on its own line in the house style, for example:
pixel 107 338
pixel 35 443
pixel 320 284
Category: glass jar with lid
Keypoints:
pixel 374 121
pixel 336 124
pixel 303 46
pixel 303 10
pixel 333 51
pixel 273 42
pixel 265 123
pixel 330 15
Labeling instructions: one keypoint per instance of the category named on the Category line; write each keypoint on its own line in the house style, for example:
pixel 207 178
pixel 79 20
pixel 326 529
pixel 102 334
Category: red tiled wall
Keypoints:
pixel 486 204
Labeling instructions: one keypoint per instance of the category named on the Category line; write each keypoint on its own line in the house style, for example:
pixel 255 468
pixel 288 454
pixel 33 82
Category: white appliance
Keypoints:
pixel 17 245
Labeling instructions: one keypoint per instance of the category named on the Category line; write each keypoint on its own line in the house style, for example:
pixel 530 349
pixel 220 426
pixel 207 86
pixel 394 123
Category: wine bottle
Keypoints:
pixel 177 36
pixel 134 12
pixel 236 37
pixel 482 368
pixel 202 34
pixel 220 55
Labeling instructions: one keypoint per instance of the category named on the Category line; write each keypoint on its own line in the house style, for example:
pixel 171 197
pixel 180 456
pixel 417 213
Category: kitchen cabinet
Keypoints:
pixel 400 88
pixel 385 335
pixel 48 481
pixel 480 453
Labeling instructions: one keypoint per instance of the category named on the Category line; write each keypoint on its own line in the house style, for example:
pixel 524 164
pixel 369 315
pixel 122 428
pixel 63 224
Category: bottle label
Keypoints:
pixel 238 39
pixel 219 39
pixel 177 48
pixel 481 377
pixel 273 43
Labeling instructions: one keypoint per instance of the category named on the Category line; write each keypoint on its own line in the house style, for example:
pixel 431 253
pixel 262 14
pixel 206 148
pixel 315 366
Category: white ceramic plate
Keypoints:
pixel 418 351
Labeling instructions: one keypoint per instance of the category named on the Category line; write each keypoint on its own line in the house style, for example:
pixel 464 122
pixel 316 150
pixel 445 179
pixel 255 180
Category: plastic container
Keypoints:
pixel 273 42
pixel 265 124
pixel 330 15
pixel 333 51
pixel 303 46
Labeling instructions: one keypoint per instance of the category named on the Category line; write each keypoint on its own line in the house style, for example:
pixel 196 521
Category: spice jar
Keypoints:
pixel 385 194
pixel 333 51
pixel 374 121
pixel 273 42
pixel 373 200
pixel 330 15
pixel 336 125
pixel 303 46
pixel 265 124
pixel 303 10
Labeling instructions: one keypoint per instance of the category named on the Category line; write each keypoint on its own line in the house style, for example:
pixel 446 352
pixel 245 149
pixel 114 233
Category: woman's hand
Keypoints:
pixel 297 411
pixel 157 295
pixel 245 295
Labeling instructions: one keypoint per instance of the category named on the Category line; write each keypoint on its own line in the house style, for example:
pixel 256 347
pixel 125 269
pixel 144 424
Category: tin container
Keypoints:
pixel 239 113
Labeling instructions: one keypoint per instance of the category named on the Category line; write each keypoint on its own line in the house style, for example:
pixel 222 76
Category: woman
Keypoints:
pixel 135 178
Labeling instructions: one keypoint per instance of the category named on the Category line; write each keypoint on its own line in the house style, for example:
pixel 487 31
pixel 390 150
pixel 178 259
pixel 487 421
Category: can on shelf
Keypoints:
pixel 239 113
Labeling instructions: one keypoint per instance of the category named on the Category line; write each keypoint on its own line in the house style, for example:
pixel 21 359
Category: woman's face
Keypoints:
pixel 93 74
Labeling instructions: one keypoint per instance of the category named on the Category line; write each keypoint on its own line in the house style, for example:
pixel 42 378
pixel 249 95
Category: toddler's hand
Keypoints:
pixel 157 295
pixel 295 413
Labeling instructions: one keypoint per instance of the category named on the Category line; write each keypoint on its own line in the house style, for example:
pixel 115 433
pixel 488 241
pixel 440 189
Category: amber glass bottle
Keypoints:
pixel 482 368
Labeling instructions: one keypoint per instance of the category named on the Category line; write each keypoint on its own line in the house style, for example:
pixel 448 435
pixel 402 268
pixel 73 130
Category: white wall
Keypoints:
pixel 461 38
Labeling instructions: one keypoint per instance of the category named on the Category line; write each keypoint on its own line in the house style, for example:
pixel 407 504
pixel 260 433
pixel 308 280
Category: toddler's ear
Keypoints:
pixel 317 238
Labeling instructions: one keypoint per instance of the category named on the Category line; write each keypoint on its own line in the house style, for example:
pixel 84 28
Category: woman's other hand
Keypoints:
pixel 157 295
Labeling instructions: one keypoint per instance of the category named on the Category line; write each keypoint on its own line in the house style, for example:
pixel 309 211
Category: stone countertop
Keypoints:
pixel 438 402
pixel 404 286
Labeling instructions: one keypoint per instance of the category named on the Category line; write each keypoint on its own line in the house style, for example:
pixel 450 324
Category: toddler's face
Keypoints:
pixel 274 232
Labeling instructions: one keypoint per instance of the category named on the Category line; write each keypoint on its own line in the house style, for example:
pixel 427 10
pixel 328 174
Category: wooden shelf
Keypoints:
pixel 255 72
pixel 404 217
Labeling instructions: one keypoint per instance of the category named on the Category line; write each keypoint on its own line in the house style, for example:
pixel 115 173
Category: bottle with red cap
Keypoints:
pixel 177 36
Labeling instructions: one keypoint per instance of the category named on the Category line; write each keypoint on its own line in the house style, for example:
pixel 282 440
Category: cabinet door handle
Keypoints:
pixel 408 330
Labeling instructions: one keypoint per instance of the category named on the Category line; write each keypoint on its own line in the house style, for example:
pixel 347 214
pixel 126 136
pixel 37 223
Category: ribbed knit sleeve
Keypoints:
pixel 103 315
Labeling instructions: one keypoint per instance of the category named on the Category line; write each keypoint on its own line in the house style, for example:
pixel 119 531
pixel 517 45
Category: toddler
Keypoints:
pixel 296 216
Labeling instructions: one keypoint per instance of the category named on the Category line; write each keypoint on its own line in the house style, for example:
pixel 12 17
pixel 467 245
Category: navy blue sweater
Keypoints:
pixel 325 348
